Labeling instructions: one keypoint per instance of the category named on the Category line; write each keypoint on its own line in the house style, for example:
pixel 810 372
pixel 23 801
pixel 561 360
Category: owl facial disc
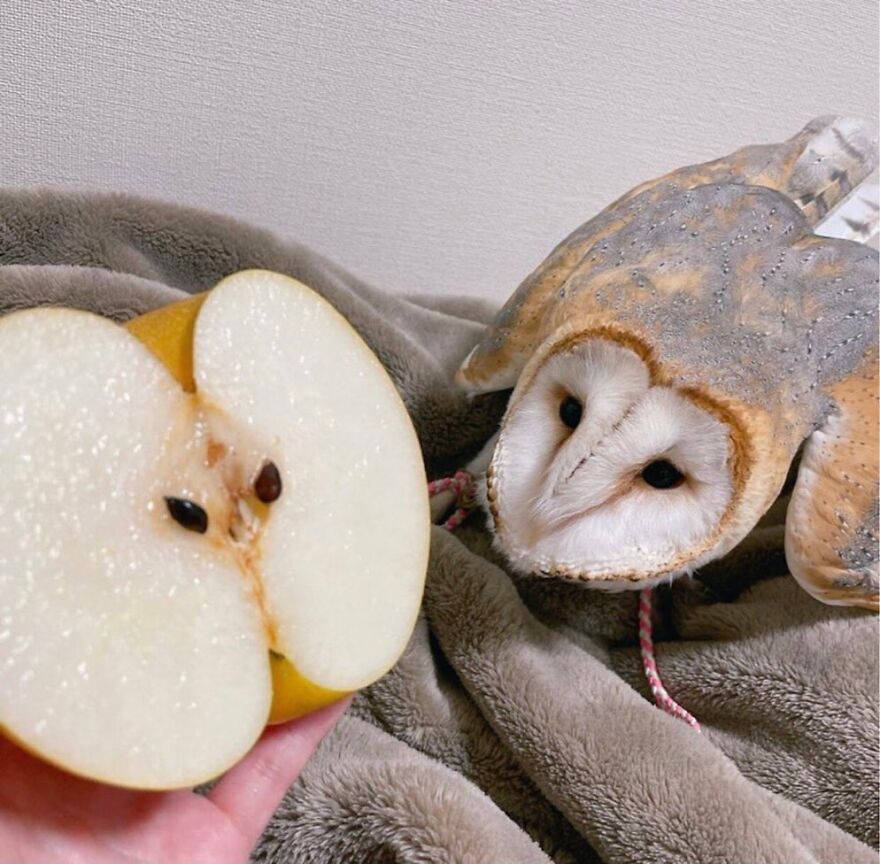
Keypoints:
pixel 606 472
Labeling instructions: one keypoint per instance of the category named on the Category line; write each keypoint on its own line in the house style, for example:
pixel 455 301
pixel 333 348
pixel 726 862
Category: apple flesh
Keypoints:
pixel 153 609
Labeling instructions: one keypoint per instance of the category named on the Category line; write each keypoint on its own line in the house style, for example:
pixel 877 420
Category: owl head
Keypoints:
pixel 611 470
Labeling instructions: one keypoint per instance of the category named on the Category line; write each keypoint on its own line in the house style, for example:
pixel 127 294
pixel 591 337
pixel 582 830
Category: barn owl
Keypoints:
pixel 669 359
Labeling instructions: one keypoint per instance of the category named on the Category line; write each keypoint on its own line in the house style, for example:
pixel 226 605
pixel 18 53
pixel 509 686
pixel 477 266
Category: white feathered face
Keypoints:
pixel 600 475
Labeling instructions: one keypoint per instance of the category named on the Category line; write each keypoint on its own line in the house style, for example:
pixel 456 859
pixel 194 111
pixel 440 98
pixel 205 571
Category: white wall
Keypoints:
pixel 427 145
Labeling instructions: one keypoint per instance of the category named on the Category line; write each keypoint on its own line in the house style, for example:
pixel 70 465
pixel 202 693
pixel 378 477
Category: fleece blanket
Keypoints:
pixel 517 727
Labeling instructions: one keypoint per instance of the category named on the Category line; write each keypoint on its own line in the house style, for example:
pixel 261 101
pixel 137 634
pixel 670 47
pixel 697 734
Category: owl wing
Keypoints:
pixel 831 525
pixel 817 168
pixel 858 219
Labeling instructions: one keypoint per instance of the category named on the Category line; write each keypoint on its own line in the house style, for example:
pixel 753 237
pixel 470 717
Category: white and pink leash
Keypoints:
pixel 461 484
pixel 649 663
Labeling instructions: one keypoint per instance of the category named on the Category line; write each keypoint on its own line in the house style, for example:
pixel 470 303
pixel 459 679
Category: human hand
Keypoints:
pixel 50 817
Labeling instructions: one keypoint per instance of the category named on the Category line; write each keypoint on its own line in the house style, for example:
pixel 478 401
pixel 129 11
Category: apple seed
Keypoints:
pixel 268 483
pixel 187 514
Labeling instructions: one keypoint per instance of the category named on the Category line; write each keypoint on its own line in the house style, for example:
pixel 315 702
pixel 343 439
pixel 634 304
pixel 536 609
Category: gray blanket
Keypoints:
pixel 517 727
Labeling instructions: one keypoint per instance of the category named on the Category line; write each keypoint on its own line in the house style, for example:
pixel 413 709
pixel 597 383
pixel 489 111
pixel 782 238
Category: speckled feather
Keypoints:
pixel 540 302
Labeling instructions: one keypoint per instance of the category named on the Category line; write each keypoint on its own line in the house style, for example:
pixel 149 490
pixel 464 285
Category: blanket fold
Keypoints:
pixel 517 727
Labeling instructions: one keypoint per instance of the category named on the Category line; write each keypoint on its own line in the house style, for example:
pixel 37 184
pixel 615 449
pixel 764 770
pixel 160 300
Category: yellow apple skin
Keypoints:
pixel 292 694
pixel 168 333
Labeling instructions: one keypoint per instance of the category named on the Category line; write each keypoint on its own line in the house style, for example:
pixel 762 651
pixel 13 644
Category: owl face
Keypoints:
pixel 605 473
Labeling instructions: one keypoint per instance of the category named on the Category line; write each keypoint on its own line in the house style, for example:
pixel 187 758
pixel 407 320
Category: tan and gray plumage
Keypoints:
pixel 699 321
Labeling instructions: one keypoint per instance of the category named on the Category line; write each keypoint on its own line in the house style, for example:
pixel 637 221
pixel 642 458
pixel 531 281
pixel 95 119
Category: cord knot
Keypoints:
pixel 463 487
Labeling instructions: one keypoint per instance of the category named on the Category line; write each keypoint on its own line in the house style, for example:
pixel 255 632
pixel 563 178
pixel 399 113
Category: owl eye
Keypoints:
pixel 570 412
pixel 662 475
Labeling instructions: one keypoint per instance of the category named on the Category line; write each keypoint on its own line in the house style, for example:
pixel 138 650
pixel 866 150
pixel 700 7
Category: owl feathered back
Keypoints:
pixel 816 169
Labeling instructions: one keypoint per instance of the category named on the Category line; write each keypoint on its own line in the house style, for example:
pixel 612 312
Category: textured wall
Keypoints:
pixel 429 146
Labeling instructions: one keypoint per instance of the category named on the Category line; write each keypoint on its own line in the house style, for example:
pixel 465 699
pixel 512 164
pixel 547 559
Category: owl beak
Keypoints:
pixel 573 492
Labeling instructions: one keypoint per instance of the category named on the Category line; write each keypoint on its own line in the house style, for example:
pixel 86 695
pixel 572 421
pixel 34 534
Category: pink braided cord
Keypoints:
pixel 462 485
pixel 649 664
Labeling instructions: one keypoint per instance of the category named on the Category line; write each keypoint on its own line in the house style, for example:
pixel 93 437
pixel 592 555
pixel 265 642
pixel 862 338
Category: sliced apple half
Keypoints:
pixel 178 563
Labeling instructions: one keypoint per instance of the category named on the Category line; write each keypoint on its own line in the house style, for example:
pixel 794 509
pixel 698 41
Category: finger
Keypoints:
pixel 251 791
pixel 27 782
